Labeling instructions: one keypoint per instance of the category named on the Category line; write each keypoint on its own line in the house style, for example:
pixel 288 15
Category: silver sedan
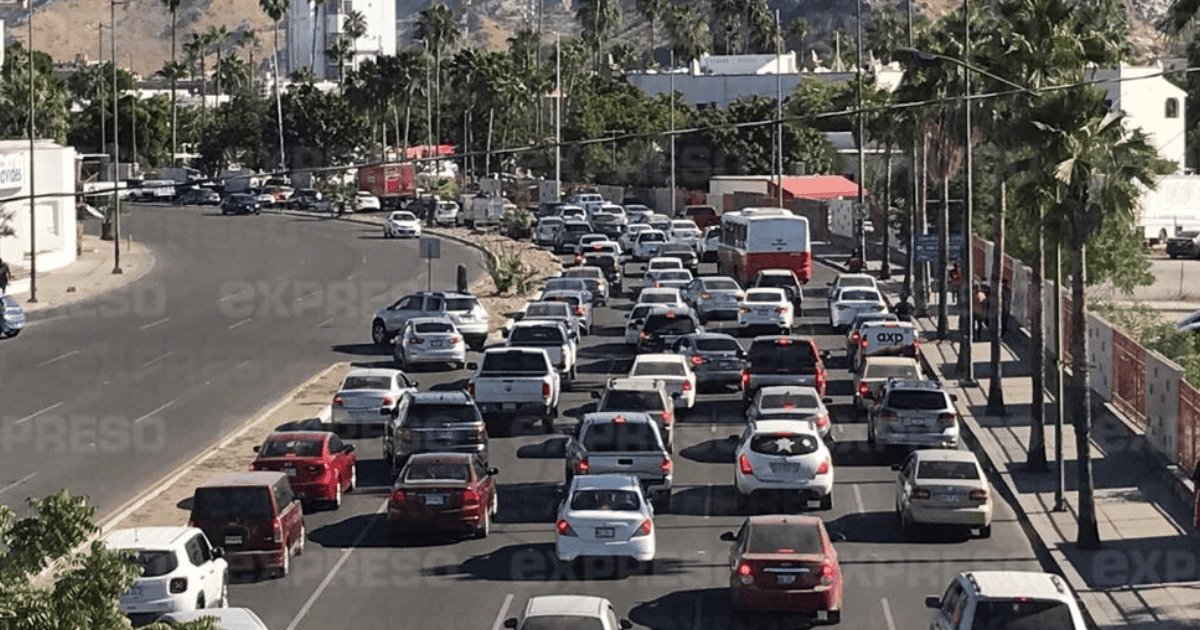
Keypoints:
pixel 428 340
pixel 714 296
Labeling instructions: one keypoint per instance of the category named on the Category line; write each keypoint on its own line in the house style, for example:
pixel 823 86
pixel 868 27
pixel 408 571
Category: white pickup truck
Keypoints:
pixel 511 383
pixel 551 336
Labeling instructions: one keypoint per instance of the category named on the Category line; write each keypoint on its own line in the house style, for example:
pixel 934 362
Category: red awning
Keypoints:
pixel 819 187
pixel 424 151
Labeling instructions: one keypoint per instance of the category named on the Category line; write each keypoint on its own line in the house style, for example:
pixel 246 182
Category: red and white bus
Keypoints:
pixel 754 239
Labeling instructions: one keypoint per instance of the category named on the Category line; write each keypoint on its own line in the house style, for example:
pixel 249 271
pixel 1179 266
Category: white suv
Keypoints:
pixel 1005 599
pixel 181 571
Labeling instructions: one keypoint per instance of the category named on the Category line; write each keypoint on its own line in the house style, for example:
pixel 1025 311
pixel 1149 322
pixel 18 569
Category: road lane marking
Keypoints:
pixel 499 622
pixel 38 413
pixel 858 500
pixel 325 323
pixel 153 324
pixel 58 358
pixel 231 296
pixel 161 408
pixel 238 324
pixel 17 482
pixel 337 566
pixel 157 359
pixel 887 614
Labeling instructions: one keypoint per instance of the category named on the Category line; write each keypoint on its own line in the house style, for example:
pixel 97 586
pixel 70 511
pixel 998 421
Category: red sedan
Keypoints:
pixel 319 466
pixel 444 491
pixel 785 564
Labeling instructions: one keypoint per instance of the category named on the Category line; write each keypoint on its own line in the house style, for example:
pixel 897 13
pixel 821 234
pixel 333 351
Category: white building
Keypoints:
pixel 1151 102
pixel 55 174
pixel 323 23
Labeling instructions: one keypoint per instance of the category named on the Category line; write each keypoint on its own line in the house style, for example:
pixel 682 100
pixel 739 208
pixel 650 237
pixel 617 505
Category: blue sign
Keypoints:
pixel 929 244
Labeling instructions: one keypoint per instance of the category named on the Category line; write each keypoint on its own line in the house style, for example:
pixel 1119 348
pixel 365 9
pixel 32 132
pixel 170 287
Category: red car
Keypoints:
pixel 444 491
pixel 318 465
pixel 784 563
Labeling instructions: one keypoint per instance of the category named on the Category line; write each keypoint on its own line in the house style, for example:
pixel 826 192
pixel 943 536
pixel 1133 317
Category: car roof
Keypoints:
pixel 610 481
pixel 431 320
pixel 713 335
pixel 652 290
pixel 1013 584
pixel 441 397
pixel 794 390
pixel 785 425
pixel 670 259
pixel 903 383
pixel 158 538
pixel 772 290
pixel 254 478
pixel 945 455
pixel 848 276
pixel 626 383
pixel 633 417
pixel 300 435
pixel 566 605
pixel 772 338
pixel 513 349
pixel 783 519
pixel 226 618
pixel 373 372
pixel 880 360
pixel 539 323
pixel 665 357
pixel 776 272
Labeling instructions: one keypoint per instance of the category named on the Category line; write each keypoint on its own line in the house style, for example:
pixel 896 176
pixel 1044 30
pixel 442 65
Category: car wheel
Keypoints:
pixel 286 567
pixel 1173 256
pixel 353 479
pixel 302 539
pixel 548 424
pixel 905 527
pixel 224 601
pixel 833 617
pixel 486 527
pixel 985 531
pixel 337 494
pixel 200 602
pixel 827 502
pixel 379 333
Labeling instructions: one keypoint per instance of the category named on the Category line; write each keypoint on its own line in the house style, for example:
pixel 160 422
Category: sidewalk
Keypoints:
pixel 90 275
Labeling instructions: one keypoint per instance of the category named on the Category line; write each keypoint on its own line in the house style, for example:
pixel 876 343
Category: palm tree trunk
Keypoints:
pixel 650 63
pixel 312 53
pixel 943 313
pixel 407 122
pixel 174 100
pixel 1035 460
pixel 217 76
pixel 921 274
pixel 437 95
pixel 1081 400
pixel 995 398
pixel 203 94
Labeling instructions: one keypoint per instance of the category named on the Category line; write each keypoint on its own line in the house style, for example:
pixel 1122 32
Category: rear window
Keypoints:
pixel 282 447
pixel 683 225
pixel 787 401
pixel 437 415
pixel 717 344
pixel 785 538
pixel 651 237
pixel 231 503
pixel 675 275
pixel 562 622
pixel 785 444
pixel 564 284
pixel 606 261
pixel 658 298
pixel 543 310
pixel 658 368
pixel 702 211
pixel 1021 615
pixel 583 273
pixel 776 280
pixel 859 295
pixel 565 298
pixel 664 325
pixel 606 500
pixel 625 400
pixel 604 218
pixel 721 284
pixel 367 382
pixel 846 281
pixel 592 284
pixel 539 335
pixel 620 436
pixel 640 312
pixel 577 228
pixel 551 222
pixel 461 303
pixel 435 327
pixel 772 355
pixel 962 471
pixel 890 371
pixel 907 399
pixel 528 362
pixel 156 563
pixel 763 297
pixel 664 265
pixel 437 472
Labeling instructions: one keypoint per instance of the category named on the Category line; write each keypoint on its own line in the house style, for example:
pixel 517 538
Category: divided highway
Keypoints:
pixel 352 575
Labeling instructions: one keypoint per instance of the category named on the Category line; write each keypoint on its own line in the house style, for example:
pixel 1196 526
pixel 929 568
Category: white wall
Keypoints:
pixel 1142 95
pixel 727 185
pixel 327 19
pixel 55 173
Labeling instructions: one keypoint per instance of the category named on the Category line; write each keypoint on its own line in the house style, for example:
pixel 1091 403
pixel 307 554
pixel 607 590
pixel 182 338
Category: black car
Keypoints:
pixel 548 209
pixel 1184 244
pixel 610 264
pixel 572 230
pixel 684 253
pixel 434 422
pixel 240 203
pixel 198 197
pixel 662 330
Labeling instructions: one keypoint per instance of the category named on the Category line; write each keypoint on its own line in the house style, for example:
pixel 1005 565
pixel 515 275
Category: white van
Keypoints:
pixel 892 339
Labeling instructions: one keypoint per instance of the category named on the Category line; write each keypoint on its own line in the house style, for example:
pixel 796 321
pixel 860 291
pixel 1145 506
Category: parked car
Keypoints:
pixel 181 570
pixel 1006 599
pixel 222 618
pixel 783 360
pixel 568 612
pixel 513 382
pixel 363 392
pixel 318 465
pixel 254 516
pixel 307 199
pixel 443 491
pixel 783 457
pixel 12 317
pixel 446 213
pixel 605 516
pixel 1185 244
pixel 913 414
pixel 636 395
pixel 430 340
pixel 779 402
pixel 785 563
pixel 433 422
pixel 198 197
pixel 766 308
pixel 468 315
pixel 672 370
pixel 869 381
pixel 622 442
pixel 366 202
pixel 714 296
pixel 402 224
pixel 943 487
pixel 239 203
pixel 716 358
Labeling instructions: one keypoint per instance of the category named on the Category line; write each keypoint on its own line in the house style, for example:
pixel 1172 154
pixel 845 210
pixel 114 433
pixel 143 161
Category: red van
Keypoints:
pixel 254 516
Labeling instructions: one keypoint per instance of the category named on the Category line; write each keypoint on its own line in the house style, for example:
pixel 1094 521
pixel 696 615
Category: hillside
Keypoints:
pixel 67 28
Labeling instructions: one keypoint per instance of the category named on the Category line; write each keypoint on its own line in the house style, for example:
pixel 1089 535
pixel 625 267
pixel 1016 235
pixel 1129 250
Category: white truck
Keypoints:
pixel 512 383
pixel 1172 207
pixel 551 336
pixel 483 210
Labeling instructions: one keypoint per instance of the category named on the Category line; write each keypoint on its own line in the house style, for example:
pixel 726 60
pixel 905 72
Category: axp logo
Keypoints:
pixel 890 338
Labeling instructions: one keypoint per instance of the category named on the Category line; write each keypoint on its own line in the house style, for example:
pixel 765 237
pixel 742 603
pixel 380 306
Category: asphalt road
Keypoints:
pixel 351 575
pixel 105 396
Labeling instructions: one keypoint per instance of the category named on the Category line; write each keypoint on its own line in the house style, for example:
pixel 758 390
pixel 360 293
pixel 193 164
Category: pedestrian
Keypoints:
pixel 1005 305
pixel 980 307
pixel 904 309
pixel 955 282
pixel 5 276
pixel 855 264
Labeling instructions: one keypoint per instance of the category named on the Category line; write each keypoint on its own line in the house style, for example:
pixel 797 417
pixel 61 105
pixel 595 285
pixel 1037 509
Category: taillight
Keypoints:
pixel 947 419
pixel 743 309
pixel 821 380
pixel 455 339
pixel 745 378
pixel 863 343
pixel 855 337
pixel 666 466
pixel 470 496
pixel 783 341
pixel 578 260
pixel 920 493
pixel 823 469
pixel 582 466
pixel 546 390
pixel 744 465
pixel 781 310
pixel 864 389
pixel 399 496
pixel 706 296
pixel 416 341
pixel 388 401
pixel 644 529
pixel 827 573
pixel 471 389
pixel 887 416
pixel 644 335
pixel 337 401
pixel 178 585
pixel 276 530
pixel 687 386
pixel 822 422
pixel 666 418
pixel 978 495
pixel 657 285
pixel 745 573
pixel 406 436
pixel 698 360
pixel 255 466
pixel 564 528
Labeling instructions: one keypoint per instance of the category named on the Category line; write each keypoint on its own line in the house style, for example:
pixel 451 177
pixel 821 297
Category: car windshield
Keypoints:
pixel 664 324
pixel 437 471
pixel 606 500
pixel 763 297
pixel 797 400
pixel 868 296
pixel 914 400
pixel 547 310
pixel 583 273
pixel 427 415
pixel 717 344
pixel 626 400
pixel 772 355
pixel 874 370
pixel 721 284
pixel 403 216
pixel 577 228
pixel 675 275
pixel 565 298
pixel 785 538
pixel 554 222
pixel 776 280
pixel 651 237
pixel 1021 614
pixel 536 335
pixel 525 362
pixel 684 225
pixel 367 382
pixel 227 504
pixel 604 261
pixel 658 298
pixel 434 327
pixel 783 444
pixel 567 284
pixel 461 303
pixel 620 436
pixel 961 471
pixel 156 563
pixel 658 368
pixel 280 447
pixel 701 211
pixel 664 265
pixel 561 622
pixel 1187 234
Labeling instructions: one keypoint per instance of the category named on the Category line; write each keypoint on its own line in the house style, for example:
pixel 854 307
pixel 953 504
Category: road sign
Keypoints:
pixel 929 243
pixel 431 248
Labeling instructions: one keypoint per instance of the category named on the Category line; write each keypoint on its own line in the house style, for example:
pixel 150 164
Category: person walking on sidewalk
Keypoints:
pixel 980 307
pixel 5 276
pixel 955 282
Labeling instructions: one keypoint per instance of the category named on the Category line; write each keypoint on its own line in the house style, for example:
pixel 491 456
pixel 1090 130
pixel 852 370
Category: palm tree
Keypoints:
pixel 173 7
pixel 598 19
pixel 339 52
pixel 276 9
pixel 726 20
pixel 652 11
pixel 317 8
pixel 249 41
pixel 196 48
pixel 232 73
pixel 764 34
pixel 354 26
pixel 688 32
pixel 217 37
pixel 439 27
pixel 799 29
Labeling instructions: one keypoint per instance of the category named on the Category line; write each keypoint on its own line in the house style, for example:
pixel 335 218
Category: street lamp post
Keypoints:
pixel 32 167
pixel 967 320
pixel 673 194
pixel 778 109
pixel 116 146
pixel 862 157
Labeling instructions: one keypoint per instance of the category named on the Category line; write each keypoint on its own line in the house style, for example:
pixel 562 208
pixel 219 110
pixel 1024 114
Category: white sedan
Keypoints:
pixel 402 224
pixel 673 370
pixel 685 231
pixel 568 611
pixel 668 279
pixel 604 516
pixel 944 487
pixel 364 392
pixel 366 202
pixel 850 301
pixel 783 457
pixel 666 297
pixel 767 308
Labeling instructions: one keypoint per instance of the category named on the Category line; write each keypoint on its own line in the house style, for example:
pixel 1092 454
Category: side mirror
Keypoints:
pixel 511 622
pixel 383 411
pixel 625 624
pixel 953 397
pixel 414 384
pixel 349 448
pixel 595 396
pixel 256 448
pixel 492 472
pixel 218 552
pixel 933 601
pixel 472 366
pixel 676 395
pixel 728 536
pixel 837 537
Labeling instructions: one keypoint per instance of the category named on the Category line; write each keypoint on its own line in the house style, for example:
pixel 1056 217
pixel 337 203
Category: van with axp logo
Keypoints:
pixel 886 339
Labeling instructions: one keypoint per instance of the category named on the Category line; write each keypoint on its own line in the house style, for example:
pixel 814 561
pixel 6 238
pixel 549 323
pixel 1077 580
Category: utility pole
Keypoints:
pixel 966 317
pixel 862 137
pixel 32 169
pixel 1060 499
pixel 778 109
pixel 673 193
pixel 100 94
pixel 558 96
pixel 116 146
pixel 133 118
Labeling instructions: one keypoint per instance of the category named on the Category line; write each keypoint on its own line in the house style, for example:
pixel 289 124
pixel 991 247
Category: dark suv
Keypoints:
pixel 684 253
pixel 240 203
pixel 434 422
pixel 254 516
pixel 662 330
pixel 783 360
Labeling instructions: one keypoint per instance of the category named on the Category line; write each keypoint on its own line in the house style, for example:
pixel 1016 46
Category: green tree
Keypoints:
pixel 688 33
pixel 217 38
pixel 233 73
pixel 275 9
pixel 653 12
pixel 340 52
pixel 439 28
pixel 355 27
pixel 248 41
pixel 798 31
pixel 49 92
pixel 885 33
pixel 598 19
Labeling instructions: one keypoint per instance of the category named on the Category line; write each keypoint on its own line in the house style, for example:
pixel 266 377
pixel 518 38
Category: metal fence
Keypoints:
pixel 1188 444
pixel 1129 378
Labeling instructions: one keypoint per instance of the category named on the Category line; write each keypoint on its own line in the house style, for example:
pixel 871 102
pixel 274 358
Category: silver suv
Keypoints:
pixel 913 414
pixel 469 317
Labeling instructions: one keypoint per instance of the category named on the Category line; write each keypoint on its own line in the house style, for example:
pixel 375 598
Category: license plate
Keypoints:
pixel 948 497
pixel 508 406
pixel 233 540
pixel 761 311
pixel 785 578
pixel 437 344
pixel 914 422
pixel 605 532
pixel 725 365
pixel 434 499
pixel 445 437
pixel 291 472
pixel 784 467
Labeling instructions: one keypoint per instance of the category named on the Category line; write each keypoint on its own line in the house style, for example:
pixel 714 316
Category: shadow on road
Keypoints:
pixel 718 451
pixel 535 502
pixel 552 448
pixel 708 609
pixel 360 349
pixel 536 562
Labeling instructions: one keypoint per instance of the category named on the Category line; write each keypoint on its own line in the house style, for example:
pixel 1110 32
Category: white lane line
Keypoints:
pixel 157 359
pixel 153 324
pixel 858 500
pixel 239 324
pixel 161 408
pixel 325 323
pixel 58 358
pixel 337 566
pixel 500 616
pixel 17 482
pixel 887 614
pixel 38 413
pixel 230 297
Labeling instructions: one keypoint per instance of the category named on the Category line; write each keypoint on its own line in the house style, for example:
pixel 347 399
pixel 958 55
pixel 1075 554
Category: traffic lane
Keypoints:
pixel 207 368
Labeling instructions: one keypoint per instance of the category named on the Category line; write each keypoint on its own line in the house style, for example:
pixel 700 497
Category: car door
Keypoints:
pixel 485 483
pixel 950 614
pixel 209 573
pixel 339 460
pixel 399 313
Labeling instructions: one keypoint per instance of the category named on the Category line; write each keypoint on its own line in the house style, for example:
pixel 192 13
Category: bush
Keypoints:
pixel 508 272
pixel 518 223
pixel 1147 327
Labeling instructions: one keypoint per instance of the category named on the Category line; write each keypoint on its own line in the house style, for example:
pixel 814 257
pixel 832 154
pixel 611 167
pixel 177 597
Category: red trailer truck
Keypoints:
pixel 391 183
